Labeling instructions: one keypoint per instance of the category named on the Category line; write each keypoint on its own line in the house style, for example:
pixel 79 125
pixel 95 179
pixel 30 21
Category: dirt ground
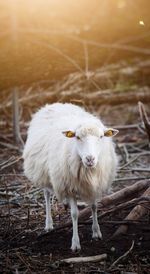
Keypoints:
pixel 26 248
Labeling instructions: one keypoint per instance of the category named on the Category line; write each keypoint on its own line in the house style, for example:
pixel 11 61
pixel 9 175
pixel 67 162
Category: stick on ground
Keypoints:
pixel 96 258
pixel 123 256
pixel 115 198
pixel 118 197
pixel 144 119
pixel 136 213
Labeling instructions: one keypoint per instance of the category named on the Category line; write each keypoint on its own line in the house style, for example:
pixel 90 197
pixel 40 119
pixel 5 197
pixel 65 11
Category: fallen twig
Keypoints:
pixel 11 163
pixel 117 197
pixel 96 258
pixel 123 256
pixel 144 119
pixel 130 179
pixel 126 153
pixel 96 98
pixel 10 146
pixel 127 204
pixel 120 127
pixel 8 160
pixel 23 260
pixel 113 199
pixel 134 159
pixel 136 213
pixel 138 169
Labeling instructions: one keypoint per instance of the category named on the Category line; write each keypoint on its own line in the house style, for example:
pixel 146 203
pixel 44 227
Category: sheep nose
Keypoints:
pixel 90 160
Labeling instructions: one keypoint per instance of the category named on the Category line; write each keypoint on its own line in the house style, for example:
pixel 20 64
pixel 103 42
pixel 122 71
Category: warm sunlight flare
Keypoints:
pixel 75 136
pixel 141 22
pixel 48 38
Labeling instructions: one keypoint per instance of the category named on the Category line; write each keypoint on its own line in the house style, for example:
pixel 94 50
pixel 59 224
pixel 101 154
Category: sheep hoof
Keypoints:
pixel 75 246
pixel 49 228
pixel 97 234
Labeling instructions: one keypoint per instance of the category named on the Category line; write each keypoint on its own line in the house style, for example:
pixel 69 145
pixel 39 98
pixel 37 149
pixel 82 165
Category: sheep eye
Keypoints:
pixel 78 137
pixel 101 137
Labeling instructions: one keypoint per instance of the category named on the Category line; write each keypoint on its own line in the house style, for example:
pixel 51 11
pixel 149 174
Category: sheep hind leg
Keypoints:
pixel 74 215
pixel 95 226
pixel 49 220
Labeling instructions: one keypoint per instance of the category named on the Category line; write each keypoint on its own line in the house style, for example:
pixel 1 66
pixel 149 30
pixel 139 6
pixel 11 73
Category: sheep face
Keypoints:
pixel 89 143
pixel 88 148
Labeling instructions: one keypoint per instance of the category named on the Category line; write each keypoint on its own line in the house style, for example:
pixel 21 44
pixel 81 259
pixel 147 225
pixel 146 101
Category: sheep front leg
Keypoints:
pixel 74 215
pixel 49 220
pixel 95 226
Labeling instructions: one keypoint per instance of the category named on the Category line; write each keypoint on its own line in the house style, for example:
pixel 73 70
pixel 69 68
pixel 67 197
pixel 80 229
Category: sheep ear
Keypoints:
pixel 69 133
pixel 110 132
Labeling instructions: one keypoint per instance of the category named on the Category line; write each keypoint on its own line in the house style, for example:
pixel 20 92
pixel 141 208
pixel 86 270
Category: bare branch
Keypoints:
pixel 144 118
pixel 136 213
pixel 123 256
pixel 96 258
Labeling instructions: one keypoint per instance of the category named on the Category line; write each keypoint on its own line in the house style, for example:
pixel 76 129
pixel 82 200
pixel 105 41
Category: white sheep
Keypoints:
pixel 81 166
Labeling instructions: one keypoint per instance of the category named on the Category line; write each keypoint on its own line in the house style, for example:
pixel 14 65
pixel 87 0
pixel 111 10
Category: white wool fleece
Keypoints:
pixel 51 160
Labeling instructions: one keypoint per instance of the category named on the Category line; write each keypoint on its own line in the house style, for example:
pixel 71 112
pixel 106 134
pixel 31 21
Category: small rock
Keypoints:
pixel 112 249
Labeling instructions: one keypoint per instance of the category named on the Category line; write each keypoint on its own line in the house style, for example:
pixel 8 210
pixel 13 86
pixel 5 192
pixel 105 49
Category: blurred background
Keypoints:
pixel 47 40
pixel 94 53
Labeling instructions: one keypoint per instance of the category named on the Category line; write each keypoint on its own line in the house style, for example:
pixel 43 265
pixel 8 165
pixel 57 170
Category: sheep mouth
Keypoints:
pixel 89 165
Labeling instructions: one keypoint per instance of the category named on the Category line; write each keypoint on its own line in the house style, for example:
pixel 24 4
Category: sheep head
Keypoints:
pixel 89 141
